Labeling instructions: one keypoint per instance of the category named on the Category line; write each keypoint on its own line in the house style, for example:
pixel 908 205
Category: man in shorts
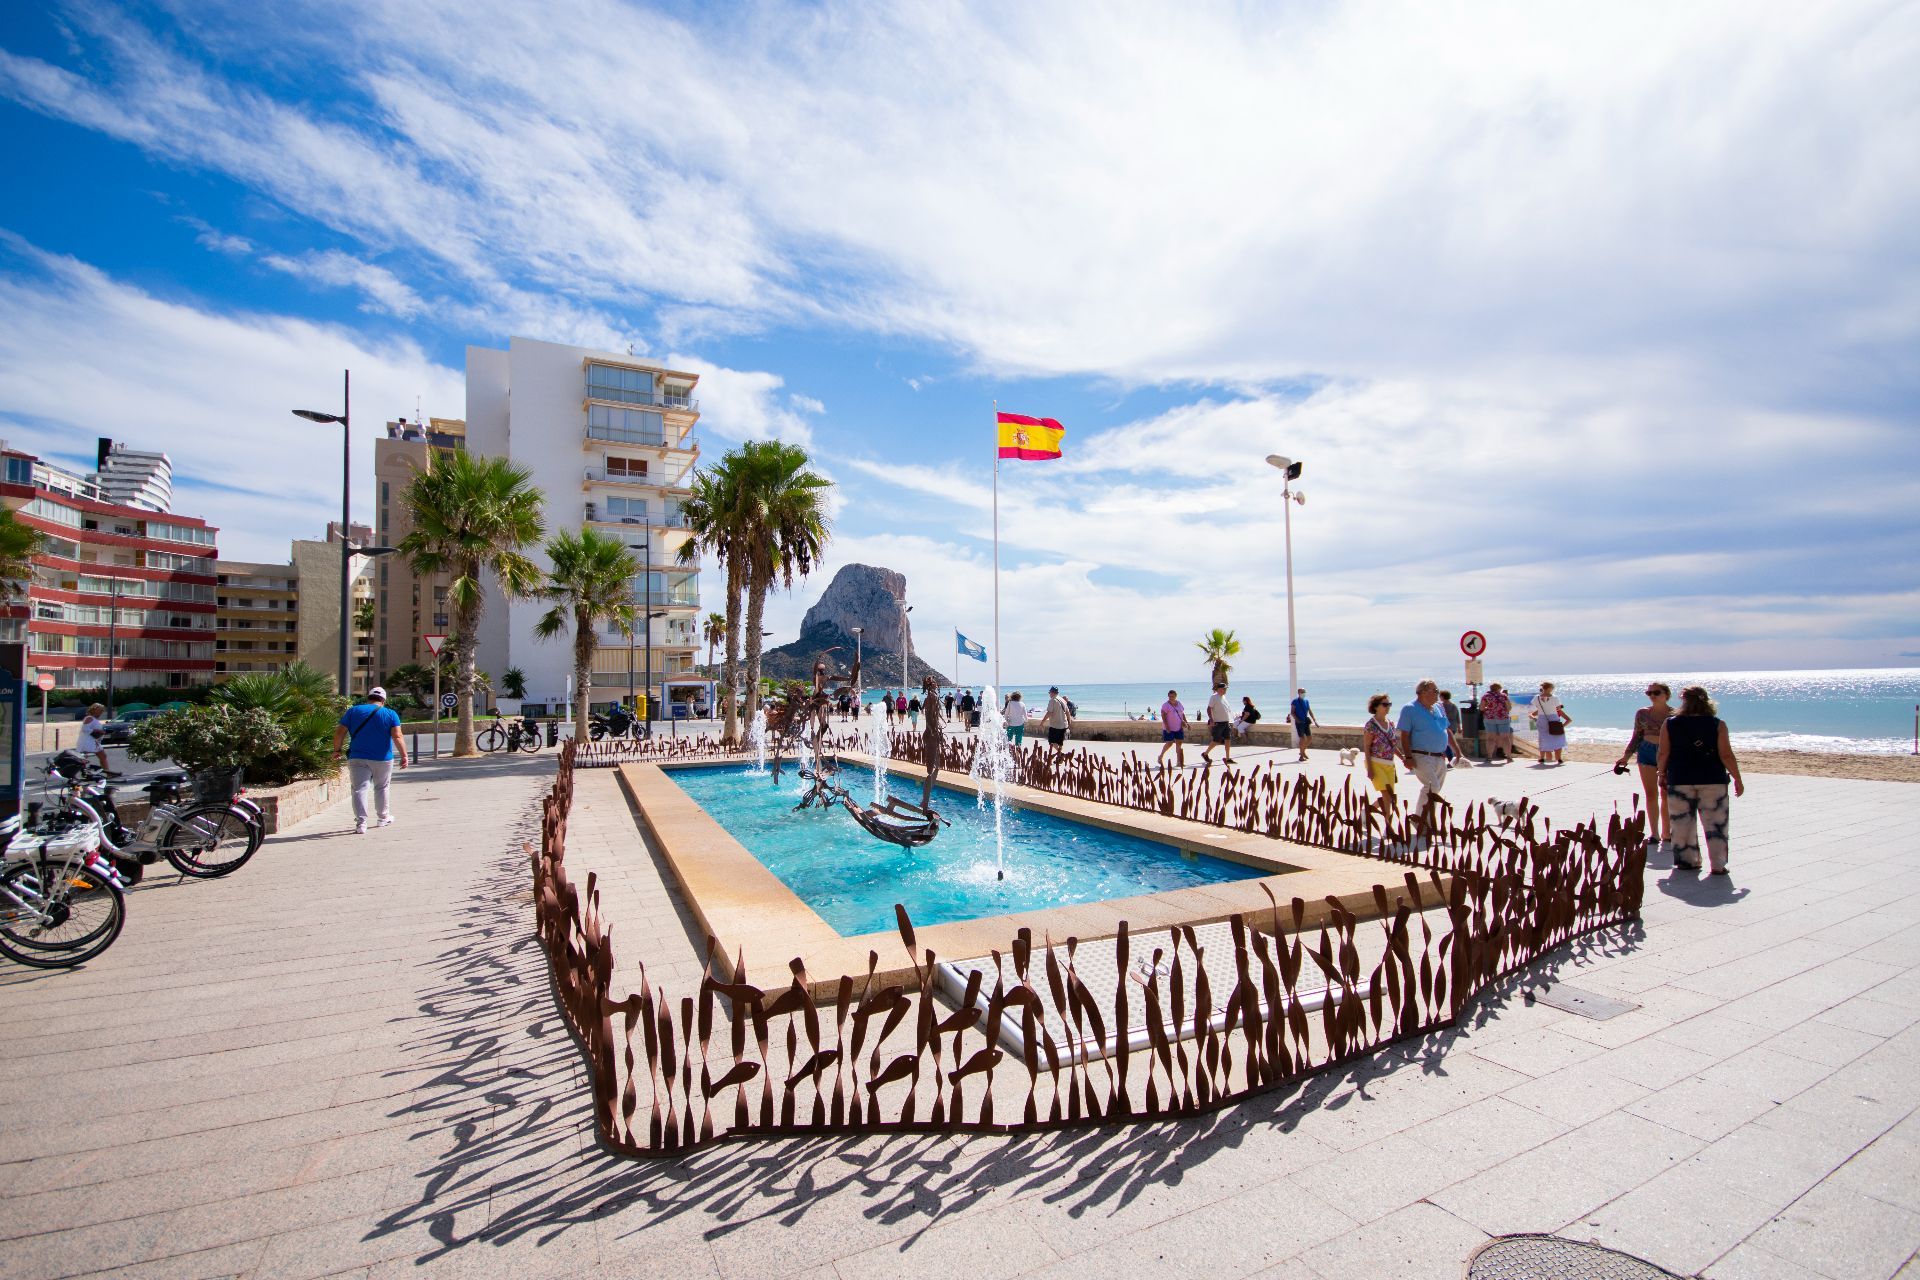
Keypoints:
pixel 1301 711
pixel 1173 730
pixel 1219 726
pixel 1058 720
pixel 1425 737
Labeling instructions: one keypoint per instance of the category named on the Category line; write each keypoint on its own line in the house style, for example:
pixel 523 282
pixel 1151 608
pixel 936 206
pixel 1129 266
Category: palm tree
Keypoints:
pixel 712 515
pixel 18 544
pixel 591 582
pixel 1218 646
pixel 473 516
pixel 715 630
pixel 781 516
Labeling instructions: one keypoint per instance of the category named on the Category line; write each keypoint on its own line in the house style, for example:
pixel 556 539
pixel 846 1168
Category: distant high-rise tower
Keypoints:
pixel 134 477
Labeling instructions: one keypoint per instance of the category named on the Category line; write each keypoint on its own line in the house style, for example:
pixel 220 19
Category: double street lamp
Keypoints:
pixel 1290 471
pixel 348 548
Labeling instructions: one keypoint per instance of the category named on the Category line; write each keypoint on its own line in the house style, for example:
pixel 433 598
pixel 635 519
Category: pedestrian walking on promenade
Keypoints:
pixel 947 702
pixel 1249 716
pixel 1058 720
pixel 913 712
pixel 1424 739
pixel 1550 721
pixel 967 705
pixel 1696 762
pixel 1301 712
pixel 1219 731
pixel 1496 721
pixel 1644 749
pixel 1173 731
pixel 1015 714
pixel 1382 747
pixel 900 704
pixel 1453 718
pixel 370 733
pixel 91 727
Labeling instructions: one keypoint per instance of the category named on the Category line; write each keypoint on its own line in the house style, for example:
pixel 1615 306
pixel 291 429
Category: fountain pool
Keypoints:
pixel 853 881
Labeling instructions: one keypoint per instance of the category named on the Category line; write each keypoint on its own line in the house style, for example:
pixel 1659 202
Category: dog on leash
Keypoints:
pixel 1509 811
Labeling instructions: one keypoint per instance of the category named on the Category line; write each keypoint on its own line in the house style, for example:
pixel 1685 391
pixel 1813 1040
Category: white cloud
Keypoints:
pixel 384 290
pixel 84 355
pixel 1365 189
pixel 741 404
pixel 805 404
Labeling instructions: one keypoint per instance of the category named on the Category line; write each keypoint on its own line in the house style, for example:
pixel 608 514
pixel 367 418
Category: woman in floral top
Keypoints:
pixel 1644 749
pixel 1496 715
pixel 1382 747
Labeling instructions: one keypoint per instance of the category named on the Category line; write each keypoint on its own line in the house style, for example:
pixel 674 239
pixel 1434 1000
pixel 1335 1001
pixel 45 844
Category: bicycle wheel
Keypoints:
pixel 492 738
pixel 211 840
pixel 530 741
pixel 68 922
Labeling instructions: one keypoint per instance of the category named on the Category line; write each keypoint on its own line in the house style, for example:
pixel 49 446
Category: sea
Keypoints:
pixel 1863 711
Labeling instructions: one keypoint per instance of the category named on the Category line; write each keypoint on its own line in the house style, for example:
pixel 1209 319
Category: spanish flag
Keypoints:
pixel 1029 439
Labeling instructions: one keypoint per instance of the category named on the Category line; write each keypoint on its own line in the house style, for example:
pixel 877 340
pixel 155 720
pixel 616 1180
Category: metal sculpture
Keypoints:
pixel 896 821
pixel 737 1060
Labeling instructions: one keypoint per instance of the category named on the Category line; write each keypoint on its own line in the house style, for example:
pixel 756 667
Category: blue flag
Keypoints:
pixel 978 652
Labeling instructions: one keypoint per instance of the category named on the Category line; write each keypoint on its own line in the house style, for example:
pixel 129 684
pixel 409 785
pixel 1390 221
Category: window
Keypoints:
pixel 53 511
pixel 627 509
pixel 629 426
pixel 19 470
pixel 613 382
pixel 626 468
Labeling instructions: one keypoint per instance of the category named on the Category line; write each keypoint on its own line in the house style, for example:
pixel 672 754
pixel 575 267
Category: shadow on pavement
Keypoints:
pixel 507 1112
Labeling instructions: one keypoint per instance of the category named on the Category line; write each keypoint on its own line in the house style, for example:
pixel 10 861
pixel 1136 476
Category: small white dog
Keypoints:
pixel 1348 755
pixel 1509 811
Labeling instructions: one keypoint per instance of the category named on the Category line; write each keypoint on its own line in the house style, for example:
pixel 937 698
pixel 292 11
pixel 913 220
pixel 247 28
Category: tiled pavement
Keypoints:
pixel 345 1060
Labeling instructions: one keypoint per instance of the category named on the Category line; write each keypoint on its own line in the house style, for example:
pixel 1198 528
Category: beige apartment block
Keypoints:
pixel 271 615
pixel 407 605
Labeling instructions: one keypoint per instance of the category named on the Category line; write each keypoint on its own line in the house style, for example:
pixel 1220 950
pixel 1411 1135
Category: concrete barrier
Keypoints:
pixel 279 806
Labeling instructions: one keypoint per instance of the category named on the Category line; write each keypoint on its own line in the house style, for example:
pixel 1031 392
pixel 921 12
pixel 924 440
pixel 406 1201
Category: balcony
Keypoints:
pixel 628 438
pixel 600 475
pixel 662 520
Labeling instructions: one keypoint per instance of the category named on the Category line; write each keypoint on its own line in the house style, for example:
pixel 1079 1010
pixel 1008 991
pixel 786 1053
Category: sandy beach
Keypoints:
pixel 1806 764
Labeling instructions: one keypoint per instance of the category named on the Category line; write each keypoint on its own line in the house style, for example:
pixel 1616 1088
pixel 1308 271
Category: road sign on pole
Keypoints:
pixel 1473 644
pixel 45 681
pixel 433 644
pixel 449 700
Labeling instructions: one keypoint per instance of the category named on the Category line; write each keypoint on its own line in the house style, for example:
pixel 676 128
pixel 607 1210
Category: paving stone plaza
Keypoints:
pixel 346 1060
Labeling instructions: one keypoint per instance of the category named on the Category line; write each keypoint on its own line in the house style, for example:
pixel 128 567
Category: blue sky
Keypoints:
pixel 1596 330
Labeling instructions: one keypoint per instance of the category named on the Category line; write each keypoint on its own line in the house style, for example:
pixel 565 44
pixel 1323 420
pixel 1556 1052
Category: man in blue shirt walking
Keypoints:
pixel 1301 712
pixel 371 734
pixel 1425 735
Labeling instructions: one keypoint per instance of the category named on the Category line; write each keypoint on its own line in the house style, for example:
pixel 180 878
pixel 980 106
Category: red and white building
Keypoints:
pixel 146 577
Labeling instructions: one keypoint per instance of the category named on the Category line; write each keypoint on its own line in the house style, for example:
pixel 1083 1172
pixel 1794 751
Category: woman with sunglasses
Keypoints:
pixel 1644 749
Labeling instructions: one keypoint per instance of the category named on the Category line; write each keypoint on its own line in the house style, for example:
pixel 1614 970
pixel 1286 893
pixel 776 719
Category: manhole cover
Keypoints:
pixel 1551 1258
pixel 1588 1004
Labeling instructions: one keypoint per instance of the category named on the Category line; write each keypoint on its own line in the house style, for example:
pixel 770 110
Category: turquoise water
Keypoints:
pixel 853 880
pixel 1856 711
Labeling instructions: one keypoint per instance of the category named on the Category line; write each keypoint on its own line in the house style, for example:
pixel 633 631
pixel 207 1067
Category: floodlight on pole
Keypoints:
pixel 1290 471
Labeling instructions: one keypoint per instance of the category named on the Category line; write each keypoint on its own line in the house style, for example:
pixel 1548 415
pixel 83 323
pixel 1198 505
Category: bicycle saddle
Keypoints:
pixel 70 764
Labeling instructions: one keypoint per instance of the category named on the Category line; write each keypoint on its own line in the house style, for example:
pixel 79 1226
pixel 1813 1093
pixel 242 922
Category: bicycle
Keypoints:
pixel 511 735
pixel 60 903
pixel 201 837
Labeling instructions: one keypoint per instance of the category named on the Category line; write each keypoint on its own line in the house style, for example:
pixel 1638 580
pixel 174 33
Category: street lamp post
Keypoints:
pixel 344 418
pixel 1289 472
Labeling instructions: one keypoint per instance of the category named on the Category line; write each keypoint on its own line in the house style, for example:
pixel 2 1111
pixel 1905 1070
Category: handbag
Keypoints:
pixel 1556 727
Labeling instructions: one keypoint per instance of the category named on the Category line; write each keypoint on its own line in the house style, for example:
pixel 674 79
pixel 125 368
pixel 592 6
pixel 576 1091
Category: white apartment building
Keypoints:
pixel 610 440
pixel 139 478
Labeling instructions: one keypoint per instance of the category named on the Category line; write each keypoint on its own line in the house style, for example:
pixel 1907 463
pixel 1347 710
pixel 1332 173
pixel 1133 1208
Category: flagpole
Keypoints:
pixel 996 547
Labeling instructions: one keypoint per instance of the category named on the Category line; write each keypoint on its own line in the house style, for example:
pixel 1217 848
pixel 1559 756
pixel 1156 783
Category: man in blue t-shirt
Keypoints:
pixel 1304 720
pixel 370 733
pixel 1425 735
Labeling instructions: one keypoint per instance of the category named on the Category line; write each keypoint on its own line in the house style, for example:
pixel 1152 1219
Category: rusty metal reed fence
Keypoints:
pixel 735 1059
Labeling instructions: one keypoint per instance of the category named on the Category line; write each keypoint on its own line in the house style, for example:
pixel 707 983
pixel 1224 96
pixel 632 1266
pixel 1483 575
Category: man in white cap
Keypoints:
pixel 371 734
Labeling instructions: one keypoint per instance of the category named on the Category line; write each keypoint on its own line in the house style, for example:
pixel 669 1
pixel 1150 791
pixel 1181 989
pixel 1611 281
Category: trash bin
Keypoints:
pixel 1472 727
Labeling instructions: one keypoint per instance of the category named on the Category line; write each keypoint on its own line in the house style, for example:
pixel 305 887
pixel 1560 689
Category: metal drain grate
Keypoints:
pixel 1551 1258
